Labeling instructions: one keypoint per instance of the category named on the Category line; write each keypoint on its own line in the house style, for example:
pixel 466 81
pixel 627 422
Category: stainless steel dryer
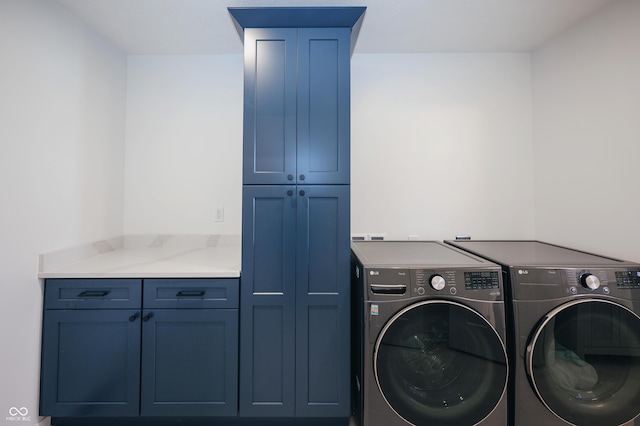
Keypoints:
pixel 430 334
pixel 574 333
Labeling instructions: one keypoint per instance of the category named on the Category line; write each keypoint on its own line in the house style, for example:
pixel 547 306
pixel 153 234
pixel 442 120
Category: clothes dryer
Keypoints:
pixel 430 330
pixel 574 333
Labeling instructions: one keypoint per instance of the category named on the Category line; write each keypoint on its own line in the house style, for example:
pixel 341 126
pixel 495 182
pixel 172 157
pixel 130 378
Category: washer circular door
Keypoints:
pixel 583 361
pixel 440 362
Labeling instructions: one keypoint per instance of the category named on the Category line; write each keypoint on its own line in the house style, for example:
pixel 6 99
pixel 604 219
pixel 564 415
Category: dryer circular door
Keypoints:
pixel 440 362
pixel 583 361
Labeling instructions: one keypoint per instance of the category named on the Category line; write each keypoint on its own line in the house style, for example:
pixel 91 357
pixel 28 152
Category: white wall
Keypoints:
pixel 587 134
pixel 184 144
pixel 441 145
pixel 62 113
pixel 427 134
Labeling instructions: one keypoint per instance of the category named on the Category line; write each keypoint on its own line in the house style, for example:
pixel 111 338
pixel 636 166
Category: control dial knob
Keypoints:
pixel 437 282
pixel 590 281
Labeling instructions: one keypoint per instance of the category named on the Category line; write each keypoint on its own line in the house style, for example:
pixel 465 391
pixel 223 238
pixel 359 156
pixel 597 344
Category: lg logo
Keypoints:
pixel 18 414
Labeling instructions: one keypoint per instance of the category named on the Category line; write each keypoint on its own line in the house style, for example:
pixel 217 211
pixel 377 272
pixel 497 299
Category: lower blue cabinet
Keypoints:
pixel 90 363
pixel 295 352
pixel 190 363
pixel 173 352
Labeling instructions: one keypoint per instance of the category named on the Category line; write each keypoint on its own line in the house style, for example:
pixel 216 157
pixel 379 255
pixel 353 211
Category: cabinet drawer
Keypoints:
pixel 191 293
pixel 92 293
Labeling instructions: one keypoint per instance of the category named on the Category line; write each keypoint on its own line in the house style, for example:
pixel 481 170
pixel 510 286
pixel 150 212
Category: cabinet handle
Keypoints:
pixel 133 317
pixel 289 177
pixel 302 192
pixel 190 293
pixel 147 317
pixel 290 193
pixel 301 177
pixel 93 293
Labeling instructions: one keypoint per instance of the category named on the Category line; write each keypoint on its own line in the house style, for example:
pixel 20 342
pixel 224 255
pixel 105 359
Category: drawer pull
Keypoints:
pixel 133 317
pixel 93 293
pixel 147 317
pixel 190 293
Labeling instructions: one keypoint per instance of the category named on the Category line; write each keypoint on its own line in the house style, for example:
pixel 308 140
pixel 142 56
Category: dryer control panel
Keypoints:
pixel 549 283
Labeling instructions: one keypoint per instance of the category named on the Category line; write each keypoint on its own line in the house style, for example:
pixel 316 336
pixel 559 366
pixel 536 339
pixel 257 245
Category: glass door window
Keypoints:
pixel 440 362
pixel 583 361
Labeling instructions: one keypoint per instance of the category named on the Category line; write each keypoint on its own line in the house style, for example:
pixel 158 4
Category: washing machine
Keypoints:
pixel 429 328
pixel 574 333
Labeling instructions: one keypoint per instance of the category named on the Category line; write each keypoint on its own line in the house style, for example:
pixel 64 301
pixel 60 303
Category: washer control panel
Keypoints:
pixel 483 284
pixel 481 280
pixel 628 279
pixel 402 283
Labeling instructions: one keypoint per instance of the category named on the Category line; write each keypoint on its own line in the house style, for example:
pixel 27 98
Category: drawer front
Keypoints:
pixel 93 293
pixel 191 293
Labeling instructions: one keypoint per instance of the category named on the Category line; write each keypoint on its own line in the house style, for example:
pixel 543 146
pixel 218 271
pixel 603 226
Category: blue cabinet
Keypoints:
pixel 90 363
pixel 131 347
pixel 322 301
pixel 189 349
pixel 296 106
pixel 294 337
pixel 190 363
pixel 294 358
pixel 267 314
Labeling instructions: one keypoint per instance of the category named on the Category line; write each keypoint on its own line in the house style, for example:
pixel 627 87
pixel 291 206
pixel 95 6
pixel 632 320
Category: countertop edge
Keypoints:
pixel 147 256
pixel 72 275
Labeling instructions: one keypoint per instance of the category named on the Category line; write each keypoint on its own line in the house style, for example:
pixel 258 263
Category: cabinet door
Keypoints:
pixel 267 301
pixel 323 106
pixel 90 363
pixel 269 132
pixel 189 362
pixel 322 302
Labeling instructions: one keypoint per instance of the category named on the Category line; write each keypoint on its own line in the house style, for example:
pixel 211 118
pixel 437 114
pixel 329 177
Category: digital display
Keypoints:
pixel 628 279
pixel 481 280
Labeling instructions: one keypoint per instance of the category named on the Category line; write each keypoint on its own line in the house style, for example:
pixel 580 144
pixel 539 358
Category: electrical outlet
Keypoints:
pixel 219 214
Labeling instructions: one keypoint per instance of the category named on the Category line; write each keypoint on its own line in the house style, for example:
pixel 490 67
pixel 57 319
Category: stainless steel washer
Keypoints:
pixel 430 331
pixel 574 333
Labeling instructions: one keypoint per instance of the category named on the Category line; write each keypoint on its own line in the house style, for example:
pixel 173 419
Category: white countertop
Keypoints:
pixel 147 256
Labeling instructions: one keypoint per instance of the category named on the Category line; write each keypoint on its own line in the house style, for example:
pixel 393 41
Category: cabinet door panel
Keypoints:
pixel 323 105
pixel 267 356
pixel 269 106
pixel 322 302
pixel 190 363
pixel 90 363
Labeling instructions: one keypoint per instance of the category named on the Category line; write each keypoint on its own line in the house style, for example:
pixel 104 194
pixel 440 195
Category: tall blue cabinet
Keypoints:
pixel 294 315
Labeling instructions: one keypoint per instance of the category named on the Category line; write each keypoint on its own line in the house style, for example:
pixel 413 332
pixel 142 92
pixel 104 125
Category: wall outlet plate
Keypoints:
pixel 219 214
